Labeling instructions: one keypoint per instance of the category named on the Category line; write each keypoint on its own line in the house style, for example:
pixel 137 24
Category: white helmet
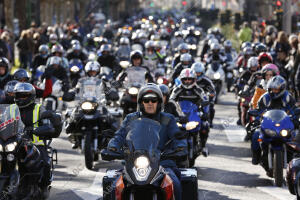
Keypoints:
pixel 53 38
pixel 92 66
pixel 187 74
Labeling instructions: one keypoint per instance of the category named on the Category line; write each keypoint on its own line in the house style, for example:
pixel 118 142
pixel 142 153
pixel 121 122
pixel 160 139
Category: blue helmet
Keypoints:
pixel 277 82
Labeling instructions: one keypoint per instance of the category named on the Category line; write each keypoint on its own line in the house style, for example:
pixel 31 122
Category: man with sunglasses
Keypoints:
pixel 150 105
pixel 37 129
pixel 190 91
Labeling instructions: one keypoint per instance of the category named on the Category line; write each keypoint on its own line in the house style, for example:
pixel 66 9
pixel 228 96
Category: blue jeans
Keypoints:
pixel 255 144
pixel 176 183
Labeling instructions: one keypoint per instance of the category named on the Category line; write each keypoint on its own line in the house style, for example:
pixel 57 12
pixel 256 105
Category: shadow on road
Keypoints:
pixel 212 195
pixel 232 178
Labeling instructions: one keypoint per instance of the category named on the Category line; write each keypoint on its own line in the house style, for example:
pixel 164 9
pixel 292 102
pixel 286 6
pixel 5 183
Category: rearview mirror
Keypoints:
pixel 111 155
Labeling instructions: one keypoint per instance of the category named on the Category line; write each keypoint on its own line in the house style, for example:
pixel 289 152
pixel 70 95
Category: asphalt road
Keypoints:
pixel 226 174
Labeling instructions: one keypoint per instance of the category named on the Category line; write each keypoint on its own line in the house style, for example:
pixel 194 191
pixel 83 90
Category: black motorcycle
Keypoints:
pixel 10 125
pixel 91 129
pixel 142 176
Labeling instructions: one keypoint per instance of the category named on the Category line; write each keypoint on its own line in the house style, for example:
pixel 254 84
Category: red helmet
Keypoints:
pixel 263 56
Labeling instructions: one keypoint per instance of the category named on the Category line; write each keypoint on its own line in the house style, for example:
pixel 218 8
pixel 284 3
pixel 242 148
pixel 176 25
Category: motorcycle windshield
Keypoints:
pixel 143 135
pixel 90 89
pixel 215 66
pixel 76 62
pixel 136 76
pixel 105 71
pixel 275 115
pixel 10 121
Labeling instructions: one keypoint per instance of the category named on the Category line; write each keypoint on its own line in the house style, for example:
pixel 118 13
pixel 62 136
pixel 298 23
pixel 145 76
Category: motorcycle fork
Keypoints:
pixel 95 136
pixel 191 149
pixel 270 156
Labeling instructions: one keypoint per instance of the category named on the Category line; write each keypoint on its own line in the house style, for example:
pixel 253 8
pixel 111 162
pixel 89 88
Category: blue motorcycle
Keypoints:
pixel 193 127
pixel 276 130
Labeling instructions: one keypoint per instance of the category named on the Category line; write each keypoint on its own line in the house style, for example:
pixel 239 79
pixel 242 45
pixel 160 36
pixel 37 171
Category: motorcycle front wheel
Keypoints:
pixel 278 168
pixel 88 151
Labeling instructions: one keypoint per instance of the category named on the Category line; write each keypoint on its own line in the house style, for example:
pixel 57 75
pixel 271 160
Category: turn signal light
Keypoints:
pixel 119 188
pixel 167 186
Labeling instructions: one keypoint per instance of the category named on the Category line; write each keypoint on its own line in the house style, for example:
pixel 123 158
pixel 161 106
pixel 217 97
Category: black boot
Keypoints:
pixel 256 154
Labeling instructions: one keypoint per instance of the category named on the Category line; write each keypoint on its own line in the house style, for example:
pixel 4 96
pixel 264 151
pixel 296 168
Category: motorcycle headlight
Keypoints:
pixel 74 69
pixel 142 162
pixel 191 125
pixel 133 91
pixel 197 33
pixel 141 168
pixel 160 81
pixel 284 133
pixel 1 148
pixel 270 132
pixel 193 46
pixel 10 157
pixel 87 106
pixel 10 147
pixel 217 76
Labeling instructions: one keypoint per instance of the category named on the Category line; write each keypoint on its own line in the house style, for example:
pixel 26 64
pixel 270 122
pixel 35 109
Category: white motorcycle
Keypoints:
pixel 216 74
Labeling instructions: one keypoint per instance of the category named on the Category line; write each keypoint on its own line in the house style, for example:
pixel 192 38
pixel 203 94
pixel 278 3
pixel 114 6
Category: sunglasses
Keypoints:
pixel 152 100
pixel 187 79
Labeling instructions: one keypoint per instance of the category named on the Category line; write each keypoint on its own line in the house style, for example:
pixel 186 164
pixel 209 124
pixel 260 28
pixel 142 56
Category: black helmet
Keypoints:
pixel 136 54
pixel 150 90
pixel 21 75
pixel 164 89
pixel 4 63
pixel 260 48
pixel 9 90
pixel 277 82
pixel 24 94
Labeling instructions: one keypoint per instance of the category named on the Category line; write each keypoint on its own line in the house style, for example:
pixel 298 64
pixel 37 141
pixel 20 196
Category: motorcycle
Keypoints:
pixel 135 80
pixel 10 126
pixel 55 101
pixel 76 71
pixel 193 45
pixel 91 131
pixel 217 75
pixel 192 127
pixel 276 130
pixel 142 176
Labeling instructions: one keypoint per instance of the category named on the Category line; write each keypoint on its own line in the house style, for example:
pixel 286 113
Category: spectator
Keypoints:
pixel 245 34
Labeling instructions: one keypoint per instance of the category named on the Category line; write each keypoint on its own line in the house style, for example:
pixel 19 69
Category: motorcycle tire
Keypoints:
pixel 278 168
pixel 88 151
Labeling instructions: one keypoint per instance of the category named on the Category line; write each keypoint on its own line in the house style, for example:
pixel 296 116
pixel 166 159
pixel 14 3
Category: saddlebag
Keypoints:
pixel 189 183
pixel 108 184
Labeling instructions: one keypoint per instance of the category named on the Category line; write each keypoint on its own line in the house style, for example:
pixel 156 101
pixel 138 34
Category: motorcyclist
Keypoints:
pixel 21 75
pixel 92 69
pixel 243 60
pixel 123 52
pixel 215 54
pixel 4 72
pixel 55 68
pixel 207 85
pixel 183 48
pixel 52 40
pixel 171 106
pixel 58 50
pixel 177 40
pixel 108 60
pixel 40 58
pixel 189 90
pixel 90 44
pixel 136 59
pixel 37 129
pixel 76 53
pixel 151 58
pixel 150 105
pixel 264 59
pixel 229 52
pixel 185 62
pixel 277 97
pixel 243 80
pixel 9 92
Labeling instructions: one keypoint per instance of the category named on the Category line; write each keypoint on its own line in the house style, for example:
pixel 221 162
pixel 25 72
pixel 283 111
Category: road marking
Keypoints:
pixel 234 133
pixel 94 192
pixel 277 192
